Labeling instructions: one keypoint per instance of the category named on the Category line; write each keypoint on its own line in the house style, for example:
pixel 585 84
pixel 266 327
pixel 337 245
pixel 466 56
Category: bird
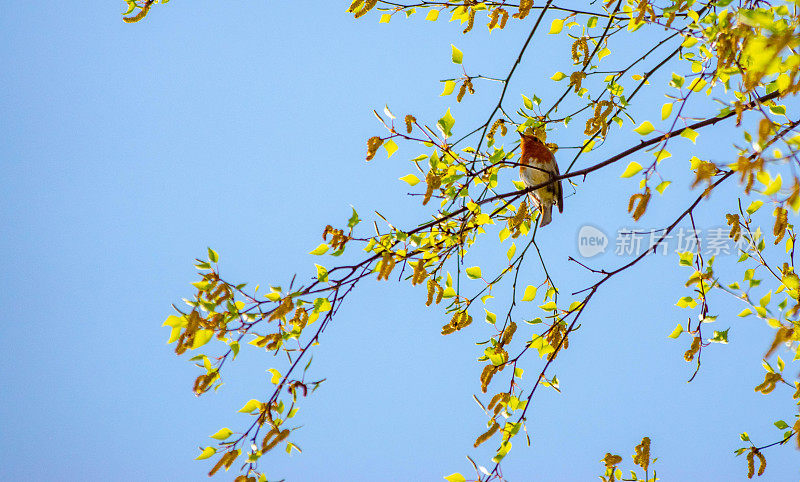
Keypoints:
pixel 538 165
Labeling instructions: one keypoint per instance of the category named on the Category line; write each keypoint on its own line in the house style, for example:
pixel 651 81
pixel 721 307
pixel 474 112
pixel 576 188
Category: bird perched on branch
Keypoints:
pixel 538 166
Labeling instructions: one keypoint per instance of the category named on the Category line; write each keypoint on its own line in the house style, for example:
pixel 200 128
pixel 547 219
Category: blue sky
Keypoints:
pixel 128 149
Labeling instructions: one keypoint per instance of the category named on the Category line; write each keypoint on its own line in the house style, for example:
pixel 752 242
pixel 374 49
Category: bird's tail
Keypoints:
pixel 547 214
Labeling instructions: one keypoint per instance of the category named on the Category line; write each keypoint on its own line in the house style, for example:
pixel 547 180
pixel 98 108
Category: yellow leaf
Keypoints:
pixel 774 186
pixel 456 55
pixel 319 250
pixel 644 128
pixel 666 110
pixel 206 453
pixel 690 134
pixel 474 272
pixel 276 376
pixel 391 147
pixel 411 179
pixel 559 76
pixel 201 338
pixel 530 293
pixel 449 86
pixel 250 406
pixel 432 15
pixel 556 26
pixel 632 169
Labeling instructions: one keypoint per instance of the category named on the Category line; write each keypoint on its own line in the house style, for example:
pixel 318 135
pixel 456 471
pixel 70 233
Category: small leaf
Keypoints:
pixel 559 76
pixel 677 331
pixel 432 15
pixel 632 169
pixel 530 293
pixel 663 185
pixel 456 477
pixel 250 406
pixel 212 255
pixel 391 147
pixel 754 206
pixel 411 179
pixel 206 453
pixel 276 376
pixel 322 273
pixel 644 128
pixel 201 338
pixel 445 124
pixel 474 272
pixel 456 55
pixel 745 312
pixel 773 187
pixel 511 251
pixel 690 134
pixel 556 26
pixel 449 86
pixel 222 434
pixel 320 250
pixel 666 110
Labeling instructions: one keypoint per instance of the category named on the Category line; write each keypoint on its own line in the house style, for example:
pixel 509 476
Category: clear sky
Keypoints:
pixel 126 150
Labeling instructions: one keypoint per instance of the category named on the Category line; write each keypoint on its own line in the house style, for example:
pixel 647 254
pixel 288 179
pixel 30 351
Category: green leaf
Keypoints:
pixel 391 147
pixel 212 255
pixel 677 331
pixel 456 55
pixel 530 293
pixel 206 453
pixel 251 405
pixel 474 272
pixel 632 169
pixel 781 425
pixel 222 434
pixel 456 477
pixel 644 128
pixel 528 103
pixel 276 376
pixel 556 26
pixel 720 336
pixel 744 437
pixel 322 273
pixel 449 86
pixel 666 110
pixel 411 179
pixel 354 220
pixel 446 123
pixel 592 22
pixel 686 258
pixel 320 250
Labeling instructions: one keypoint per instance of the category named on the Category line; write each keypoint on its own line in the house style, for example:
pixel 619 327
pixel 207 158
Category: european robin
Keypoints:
pixel 538 166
